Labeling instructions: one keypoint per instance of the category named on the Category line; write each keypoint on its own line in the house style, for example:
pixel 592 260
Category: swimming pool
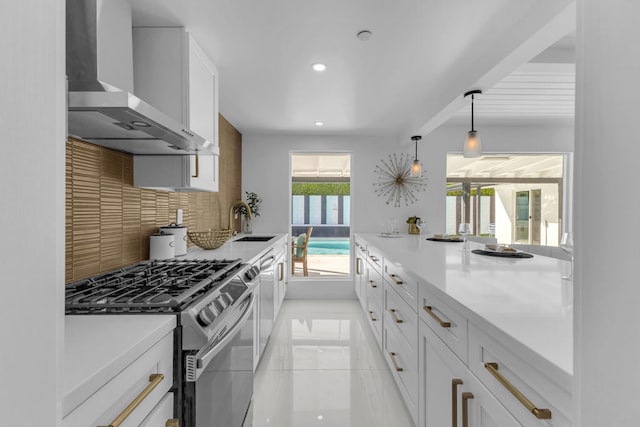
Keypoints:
pixel 328 247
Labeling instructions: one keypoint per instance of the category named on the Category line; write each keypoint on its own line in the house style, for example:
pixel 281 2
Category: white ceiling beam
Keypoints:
pixel 561 25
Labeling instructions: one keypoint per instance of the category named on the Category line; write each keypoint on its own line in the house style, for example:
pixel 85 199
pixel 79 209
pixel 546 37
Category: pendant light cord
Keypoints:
pixel 416 157
pixel 472 128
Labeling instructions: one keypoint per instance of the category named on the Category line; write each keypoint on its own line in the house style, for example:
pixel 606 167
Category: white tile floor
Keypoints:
pixel 322 367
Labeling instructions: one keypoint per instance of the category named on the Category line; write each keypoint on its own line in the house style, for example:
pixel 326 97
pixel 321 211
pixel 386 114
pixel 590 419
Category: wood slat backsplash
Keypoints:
pixel 108 221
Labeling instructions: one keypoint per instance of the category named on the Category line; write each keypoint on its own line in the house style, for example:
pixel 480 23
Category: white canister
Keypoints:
pixel 162 246
pixel 180 231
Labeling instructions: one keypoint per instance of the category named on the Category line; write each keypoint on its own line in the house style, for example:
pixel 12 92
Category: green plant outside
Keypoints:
pixel 483 192
pixel 320 189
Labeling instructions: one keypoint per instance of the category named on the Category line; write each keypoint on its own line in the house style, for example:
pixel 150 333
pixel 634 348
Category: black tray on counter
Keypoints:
pixel 502 254
pixel 437 239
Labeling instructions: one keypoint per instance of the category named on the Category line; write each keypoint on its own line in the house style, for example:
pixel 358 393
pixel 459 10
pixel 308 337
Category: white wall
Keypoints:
pixel 32 165
pixel 265 169
pixel 606 284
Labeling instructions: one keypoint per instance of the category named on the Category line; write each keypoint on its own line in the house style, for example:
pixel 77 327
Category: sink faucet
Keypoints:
pixel 233 206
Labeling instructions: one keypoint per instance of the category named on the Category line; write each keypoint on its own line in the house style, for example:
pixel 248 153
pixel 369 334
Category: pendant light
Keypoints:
pixel 472 145
pixel 416 167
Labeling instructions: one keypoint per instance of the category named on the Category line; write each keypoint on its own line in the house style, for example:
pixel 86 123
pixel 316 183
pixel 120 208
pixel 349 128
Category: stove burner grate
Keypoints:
pixel 153 286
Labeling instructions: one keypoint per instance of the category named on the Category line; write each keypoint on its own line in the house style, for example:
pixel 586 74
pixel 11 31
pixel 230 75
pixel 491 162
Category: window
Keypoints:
pixel 320 202
pixel 515 198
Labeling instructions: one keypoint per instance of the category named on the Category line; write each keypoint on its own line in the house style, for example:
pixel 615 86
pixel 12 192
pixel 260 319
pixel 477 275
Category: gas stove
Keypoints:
pixel 149 287
pixel 213 302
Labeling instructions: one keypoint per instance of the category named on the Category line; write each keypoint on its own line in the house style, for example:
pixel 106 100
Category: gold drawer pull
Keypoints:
pixel 373 258
pixel 541 414
pixel 358 272
pixel 429 311
pixel 154 379
pixel 373 284
pixel 280 272
pixel 395 279
pixel 393 314
pixel 173 422
pixel 465 408
pixel 395 364
pixel 197 167
pixel 454 401
pixel 373 319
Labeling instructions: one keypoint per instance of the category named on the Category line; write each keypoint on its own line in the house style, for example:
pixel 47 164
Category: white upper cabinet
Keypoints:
pixel 172 73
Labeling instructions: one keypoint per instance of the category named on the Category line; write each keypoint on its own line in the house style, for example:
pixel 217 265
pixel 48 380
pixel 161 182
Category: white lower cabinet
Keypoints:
pixel 403 362
pixel 147 380
pixel 449 370
pixel 449 394
pixel 162 414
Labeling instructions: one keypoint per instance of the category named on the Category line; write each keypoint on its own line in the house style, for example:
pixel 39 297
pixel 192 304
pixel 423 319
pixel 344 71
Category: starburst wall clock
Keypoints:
pixel 395 183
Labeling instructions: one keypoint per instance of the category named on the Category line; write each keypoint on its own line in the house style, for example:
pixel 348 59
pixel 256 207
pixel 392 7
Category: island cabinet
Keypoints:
pixel 373 296
pixel 400 332
pixel 456 360
pixel 449 394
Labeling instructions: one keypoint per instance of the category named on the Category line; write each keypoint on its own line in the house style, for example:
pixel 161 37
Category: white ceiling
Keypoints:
pixel 423 55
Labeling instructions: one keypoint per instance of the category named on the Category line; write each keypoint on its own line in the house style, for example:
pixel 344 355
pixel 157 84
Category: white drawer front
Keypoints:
pixel 404 283
pixel 162 413
pixel 374 258
pixel 374 284
pixel 490 360
pixel 403 362
pixel 447 323
pixel 374 315
pixel 109 401
pixel 398 312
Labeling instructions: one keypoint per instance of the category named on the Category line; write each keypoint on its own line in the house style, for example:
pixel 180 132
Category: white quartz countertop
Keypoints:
pixel 522 300
pixel 98 347
pixel 249 251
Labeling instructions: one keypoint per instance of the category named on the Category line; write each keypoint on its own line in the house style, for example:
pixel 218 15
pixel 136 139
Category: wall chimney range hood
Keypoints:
pixel 102 106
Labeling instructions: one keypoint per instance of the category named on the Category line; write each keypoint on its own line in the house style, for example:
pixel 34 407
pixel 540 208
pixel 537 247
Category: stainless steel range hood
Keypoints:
pixel 102 107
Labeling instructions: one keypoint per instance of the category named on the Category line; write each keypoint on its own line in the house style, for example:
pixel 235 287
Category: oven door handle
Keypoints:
pixel 204 359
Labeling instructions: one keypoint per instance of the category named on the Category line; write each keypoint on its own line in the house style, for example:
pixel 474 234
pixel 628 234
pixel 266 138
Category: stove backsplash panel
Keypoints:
pixel 108 221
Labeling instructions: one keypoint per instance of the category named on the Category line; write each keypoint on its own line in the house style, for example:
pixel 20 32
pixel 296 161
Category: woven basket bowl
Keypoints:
pixel 211 239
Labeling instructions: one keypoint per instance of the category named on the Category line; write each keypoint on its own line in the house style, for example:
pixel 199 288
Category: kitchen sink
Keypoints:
pixel 254 239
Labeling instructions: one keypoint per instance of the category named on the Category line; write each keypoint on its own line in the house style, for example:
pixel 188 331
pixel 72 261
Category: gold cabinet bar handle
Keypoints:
pixel 373 258
pixel 393 314
pixel 358 272
pixel 173 422
pixel 429 311
pixel 395 363
pixel 197 167
pixel 454 401
pixel 373 284
pixel 373 319
pixel 280 271
pixel 154 379
pixel 465 408
pixel 541 414
pixel 396 279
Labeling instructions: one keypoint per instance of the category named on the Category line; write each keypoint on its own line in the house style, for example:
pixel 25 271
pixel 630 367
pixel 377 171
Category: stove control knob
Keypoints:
pixel 225 299
pixel 206 316
pixel 219 306
pixel 251 274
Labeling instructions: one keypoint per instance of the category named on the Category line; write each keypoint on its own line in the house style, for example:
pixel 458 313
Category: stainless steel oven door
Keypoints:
pixel 224 384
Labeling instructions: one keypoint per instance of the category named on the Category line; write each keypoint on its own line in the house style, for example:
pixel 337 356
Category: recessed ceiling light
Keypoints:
pixel 319 67
pixel 318 123
pixel 364 35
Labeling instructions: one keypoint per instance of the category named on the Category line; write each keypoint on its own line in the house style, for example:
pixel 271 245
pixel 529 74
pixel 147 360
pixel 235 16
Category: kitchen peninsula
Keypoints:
pixel 504 324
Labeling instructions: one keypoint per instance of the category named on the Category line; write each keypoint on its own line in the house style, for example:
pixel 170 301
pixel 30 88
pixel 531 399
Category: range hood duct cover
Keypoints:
pixel 102 107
